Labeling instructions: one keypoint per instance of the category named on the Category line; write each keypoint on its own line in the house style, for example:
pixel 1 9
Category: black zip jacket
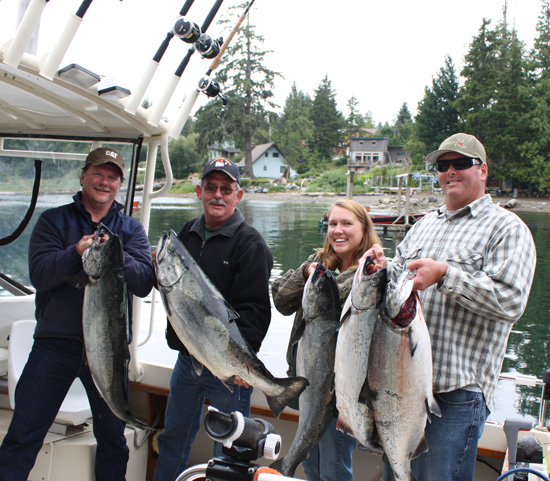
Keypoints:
pixel 238 262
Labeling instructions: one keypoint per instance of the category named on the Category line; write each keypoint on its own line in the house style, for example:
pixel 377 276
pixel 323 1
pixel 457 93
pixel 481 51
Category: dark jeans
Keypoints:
pixel 52 367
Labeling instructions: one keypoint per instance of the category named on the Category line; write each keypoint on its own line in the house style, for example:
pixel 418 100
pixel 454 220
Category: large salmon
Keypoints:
pixel 399 378
pixel 205 324
pixel 105 322
pixel 359 316
pixel 315 362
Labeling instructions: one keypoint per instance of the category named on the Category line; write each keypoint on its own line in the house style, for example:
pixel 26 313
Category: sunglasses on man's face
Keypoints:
pixel 462 163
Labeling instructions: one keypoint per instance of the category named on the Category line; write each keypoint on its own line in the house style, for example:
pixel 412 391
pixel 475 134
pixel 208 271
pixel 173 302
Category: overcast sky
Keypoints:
pixel 382 52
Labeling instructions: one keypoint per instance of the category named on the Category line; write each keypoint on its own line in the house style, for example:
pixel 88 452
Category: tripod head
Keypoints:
pixel 243 439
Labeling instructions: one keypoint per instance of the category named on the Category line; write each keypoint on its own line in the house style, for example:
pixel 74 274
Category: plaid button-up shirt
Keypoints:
pixel 491 261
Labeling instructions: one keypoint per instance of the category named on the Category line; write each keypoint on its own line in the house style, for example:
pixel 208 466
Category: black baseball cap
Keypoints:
pixel 222 165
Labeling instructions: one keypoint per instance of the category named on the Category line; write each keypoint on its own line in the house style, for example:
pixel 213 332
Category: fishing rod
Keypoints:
pixel 205 45
pixel 52 63
pixel 24 32
pixel 206 84
pixel 183 29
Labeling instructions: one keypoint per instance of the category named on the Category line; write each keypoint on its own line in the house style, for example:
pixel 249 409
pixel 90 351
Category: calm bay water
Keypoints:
pixel 292 232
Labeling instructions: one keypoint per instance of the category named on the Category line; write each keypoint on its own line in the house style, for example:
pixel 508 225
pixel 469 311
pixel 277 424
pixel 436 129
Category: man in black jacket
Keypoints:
pixel 237 260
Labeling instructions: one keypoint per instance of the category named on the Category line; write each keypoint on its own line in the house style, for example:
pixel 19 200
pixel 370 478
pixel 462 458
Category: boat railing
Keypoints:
pixel 533 381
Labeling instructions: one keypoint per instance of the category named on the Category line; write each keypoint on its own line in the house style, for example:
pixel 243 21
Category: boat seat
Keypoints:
pixel 75 409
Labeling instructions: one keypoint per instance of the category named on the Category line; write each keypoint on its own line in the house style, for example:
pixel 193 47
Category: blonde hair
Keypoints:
pixel 329 258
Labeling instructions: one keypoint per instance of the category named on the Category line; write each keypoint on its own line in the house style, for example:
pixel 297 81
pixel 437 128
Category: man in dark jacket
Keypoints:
pixel 59 239
pixel 237 260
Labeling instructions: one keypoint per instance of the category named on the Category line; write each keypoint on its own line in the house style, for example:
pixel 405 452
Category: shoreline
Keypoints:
pixel 418 202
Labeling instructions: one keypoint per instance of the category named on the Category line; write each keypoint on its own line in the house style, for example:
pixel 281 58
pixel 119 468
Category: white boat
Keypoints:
pixel 44 103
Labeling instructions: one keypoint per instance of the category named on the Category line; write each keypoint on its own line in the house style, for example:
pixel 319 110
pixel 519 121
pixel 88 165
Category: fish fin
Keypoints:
pixel 197 366
pixel 414 341
pixel 232 314
pixel 165 302
pixel 372 448
pixel 346 312
pixel 432 407
pixel 421 448
pixel 298 333
pixel 77 281
pixel 293 387
pixel 365 395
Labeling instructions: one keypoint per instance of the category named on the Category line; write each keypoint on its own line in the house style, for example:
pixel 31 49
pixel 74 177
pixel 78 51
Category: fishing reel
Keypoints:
pixel 212 89
pixel 208 47
pixel 243 439
pixel 187 31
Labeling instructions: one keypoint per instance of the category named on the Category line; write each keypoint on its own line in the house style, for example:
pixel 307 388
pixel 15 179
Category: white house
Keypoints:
pixel 269 161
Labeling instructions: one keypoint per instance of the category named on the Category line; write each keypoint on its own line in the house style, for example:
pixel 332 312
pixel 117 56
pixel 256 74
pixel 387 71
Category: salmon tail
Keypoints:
pixel 293 387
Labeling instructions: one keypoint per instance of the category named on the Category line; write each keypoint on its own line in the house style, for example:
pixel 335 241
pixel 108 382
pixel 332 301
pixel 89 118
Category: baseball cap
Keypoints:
pixel 464 144
pixel 222 165
pixel 104 155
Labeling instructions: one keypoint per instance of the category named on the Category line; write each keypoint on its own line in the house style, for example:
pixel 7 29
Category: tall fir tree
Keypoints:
pixel 294 131
pixel 437 116
pixel 537 150
pixel 355 120
pixel 327 121
pixel 249 84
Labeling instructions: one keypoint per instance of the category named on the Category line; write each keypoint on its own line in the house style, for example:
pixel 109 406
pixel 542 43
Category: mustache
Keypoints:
pixel 217 202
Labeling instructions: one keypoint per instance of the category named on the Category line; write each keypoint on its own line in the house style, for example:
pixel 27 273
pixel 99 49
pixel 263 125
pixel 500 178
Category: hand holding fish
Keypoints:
pixel 241 382
pixel 427 272
pixel 308 269
pixel 376 254
pixel 84 243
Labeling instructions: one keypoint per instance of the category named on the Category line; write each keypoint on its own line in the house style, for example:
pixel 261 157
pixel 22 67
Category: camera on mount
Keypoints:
pixel 243 439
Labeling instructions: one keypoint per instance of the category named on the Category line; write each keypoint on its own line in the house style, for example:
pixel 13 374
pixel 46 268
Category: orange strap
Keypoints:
pixel 265 470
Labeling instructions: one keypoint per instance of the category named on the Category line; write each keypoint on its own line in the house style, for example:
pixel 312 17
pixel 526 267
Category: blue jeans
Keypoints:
pixel 452 439
pixel 183 414
pixel 331 458
pixel 52 367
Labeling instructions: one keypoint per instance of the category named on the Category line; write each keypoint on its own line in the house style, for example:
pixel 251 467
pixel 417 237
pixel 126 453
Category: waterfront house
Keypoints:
pixel 367 152
pixel 269 161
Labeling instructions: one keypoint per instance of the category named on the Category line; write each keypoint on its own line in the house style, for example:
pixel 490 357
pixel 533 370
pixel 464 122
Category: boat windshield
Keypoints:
pixel 37 174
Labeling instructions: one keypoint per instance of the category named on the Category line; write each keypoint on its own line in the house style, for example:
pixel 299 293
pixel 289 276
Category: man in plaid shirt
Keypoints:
pixel 474 264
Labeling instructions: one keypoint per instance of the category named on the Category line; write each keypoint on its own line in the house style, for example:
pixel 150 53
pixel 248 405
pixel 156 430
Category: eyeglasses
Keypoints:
pixel 462 163
pixel 212 188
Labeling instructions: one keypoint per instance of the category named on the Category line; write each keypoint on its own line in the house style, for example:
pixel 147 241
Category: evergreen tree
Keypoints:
pixel 478 94
pixel 248 83
pixel 537 150
pixel 327 121
pixel 355 120
pixel 403 125
pixel 437 116
pixel 494 101
pixel 294 131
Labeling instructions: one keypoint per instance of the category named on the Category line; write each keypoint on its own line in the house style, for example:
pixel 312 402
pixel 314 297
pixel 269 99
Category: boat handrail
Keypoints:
pixel 531 381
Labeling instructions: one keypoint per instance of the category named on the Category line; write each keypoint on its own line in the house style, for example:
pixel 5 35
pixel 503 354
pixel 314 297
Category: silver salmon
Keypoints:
pixel 105 323
pixel 206 325
pixel 315 361
pixel 359 316
pixel 399 378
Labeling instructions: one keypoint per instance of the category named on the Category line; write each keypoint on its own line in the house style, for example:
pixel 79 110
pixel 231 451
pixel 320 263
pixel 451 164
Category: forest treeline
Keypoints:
pixel 501 95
